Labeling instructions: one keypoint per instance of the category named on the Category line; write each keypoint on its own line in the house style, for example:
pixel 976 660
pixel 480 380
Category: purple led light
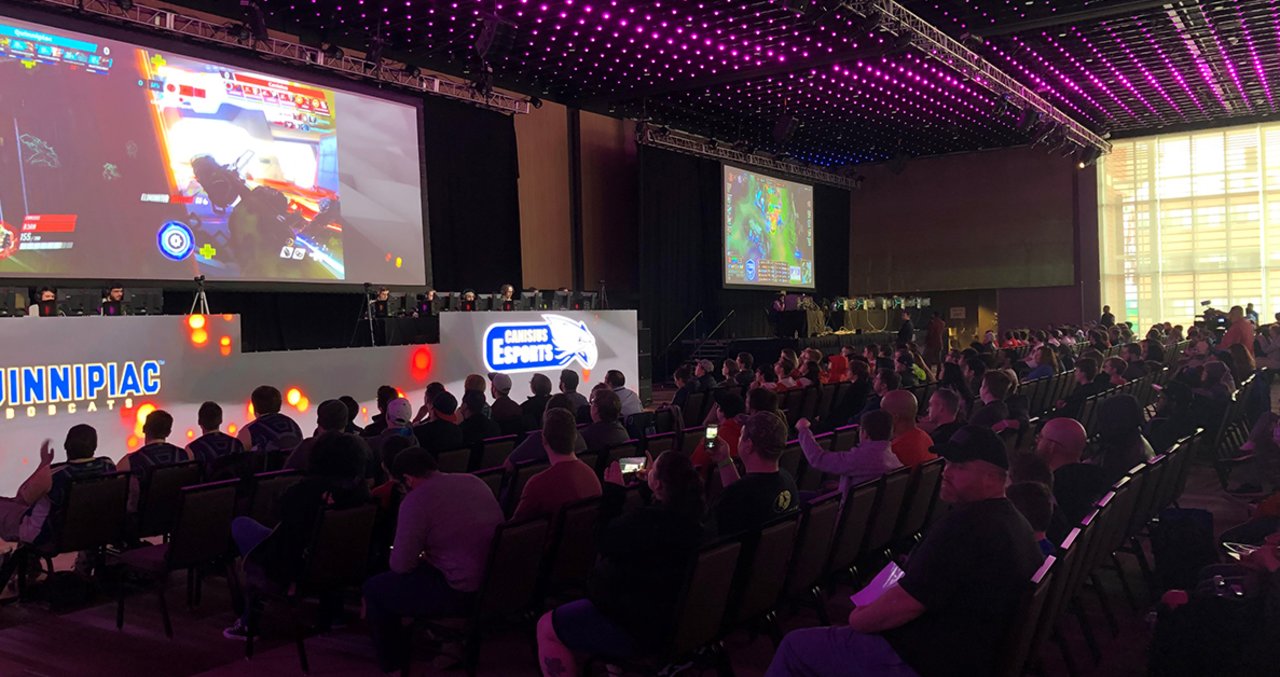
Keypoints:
pixel 1148 75
pixel 1173 70
pixel 1114 71
pixel 1226 60
pixel 1253 53
pixel 1089 76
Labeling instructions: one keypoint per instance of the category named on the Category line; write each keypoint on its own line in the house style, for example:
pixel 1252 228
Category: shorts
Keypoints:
pixel 583 628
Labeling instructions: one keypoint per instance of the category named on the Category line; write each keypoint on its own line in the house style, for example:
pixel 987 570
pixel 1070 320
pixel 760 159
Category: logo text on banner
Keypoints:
pixel 537 346
pixel 70 383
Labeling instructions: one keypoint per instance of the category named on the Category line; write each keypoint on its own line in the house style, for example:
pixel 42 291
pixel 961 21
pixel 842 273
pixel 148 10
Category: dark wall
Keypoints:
pixel 680 250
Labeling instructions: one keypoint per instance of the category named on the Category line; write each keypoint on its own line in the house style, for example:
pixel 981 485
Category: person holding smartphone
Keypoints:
pixel 729 406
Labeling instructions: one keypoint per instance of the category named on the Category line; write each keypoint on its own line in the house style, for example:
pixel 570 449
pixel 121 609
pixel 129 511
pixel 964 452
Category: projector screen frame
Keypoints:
pixel 724 268
pixel 242 59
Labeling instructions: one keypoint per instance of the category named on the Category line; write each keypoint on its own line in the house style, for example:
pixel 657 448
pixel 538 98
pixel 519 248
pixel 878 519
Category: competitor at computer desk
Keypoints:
pixel 381 302
pixel 113 300
pixel 506 299
pixel 46 304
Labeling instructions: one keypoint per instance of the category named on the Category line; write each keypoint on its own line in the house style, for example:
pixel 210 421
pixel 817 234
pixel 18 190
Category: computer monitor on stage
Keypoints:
pixel 584 300
pixel 560 299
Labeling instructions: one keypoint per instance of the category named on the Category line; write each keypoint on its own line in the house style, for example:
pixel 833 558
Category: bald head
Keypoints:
pixel 900 404
pixel 1062 442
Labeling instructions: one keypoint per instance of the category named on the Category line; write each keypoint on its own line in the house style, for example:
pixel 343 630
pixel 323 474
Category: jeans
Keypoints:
pixel 836 650
pixel 390 597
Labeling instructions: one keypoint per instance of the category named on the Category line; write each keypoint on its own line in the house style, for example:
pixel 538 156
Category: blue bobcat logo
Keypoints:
pixel 539 346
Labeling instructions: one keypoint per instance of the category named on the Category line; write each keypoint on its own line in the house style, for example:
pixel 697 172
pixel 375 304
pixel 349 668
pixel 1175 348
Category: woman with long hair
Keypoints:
pixel 1120 442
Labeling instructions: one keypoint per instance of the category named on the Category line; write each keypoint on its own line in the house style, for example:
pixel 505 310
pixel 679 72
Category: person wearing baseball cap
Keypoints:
pixel 506 412
pixel 951 610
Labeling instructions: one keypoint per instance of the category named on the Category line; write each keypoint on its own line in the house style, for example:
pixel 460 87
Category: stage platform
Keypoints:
pixel 765 350
pixel 110 372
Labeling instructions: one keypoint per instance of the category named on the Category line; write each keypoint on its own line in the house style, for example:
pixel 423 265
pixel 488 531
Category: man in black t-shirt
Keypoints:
pixel 950 612
pixel 766 491
pixel 1076 486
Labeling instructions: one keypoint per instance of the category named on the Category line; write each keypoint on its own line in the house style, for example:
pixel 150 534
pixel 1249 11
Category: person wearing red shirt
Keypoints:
pixel 1241 331
pixel 728 408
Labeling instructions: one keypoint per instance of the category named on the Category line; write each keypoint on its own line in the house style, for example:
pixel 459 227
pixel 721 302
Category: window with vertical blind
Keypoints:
pixel 1192 217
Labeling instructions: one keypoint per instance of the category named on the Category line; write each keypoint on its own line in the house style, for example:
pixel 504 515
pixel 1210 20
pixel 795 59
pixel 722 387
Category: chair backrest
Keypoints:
pixel 855 520
pixel 339 551
pixel 845 438
pixel 638 424
pixel 454 460
pixel 495 450
pixel 705 596
pixel 202 528
pixel 656 445
pixel 511 578
pixel 518 479
pixel 158 495
pixel 814 540
pixel 884 517
pixel 267 488
pixel 761 582
pixel 664 421
pixel 695 407
pixel 690 438
pixel 573 544
pixel 1019 639
pixel 925 480
pixel 826 394
pixel 492 477
pixel 238 466
pixel 791 459
pixel 94 514
pixel 809 402
pixel 1067 557
pixel 616 452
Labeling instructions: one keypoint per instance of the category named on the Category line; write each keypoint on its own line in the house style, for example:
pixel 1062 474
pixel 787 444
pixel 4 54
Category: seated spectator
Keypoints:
pixel 390 492
pixel 475 383
pixel 993 410
pixel 1152 350
pixel 943 419
pixel 605 430
pixel 973 370
pixel 746 370
pixel 399 415
pixel 270 430
pixel 1076 485
pixel 837 369
pixel 1034 501
pixel 871 458
pixel 884 382
pixel 155 452
pixel 854 398
pixel 783 370
pixel 353 414
pixel 910 443
pixel 903 367
pixel 536 404
pixel 762 400
pixel 1174 417
pixel 569 388
pixel 1115 368
pixel 424 412
pixel 644 556
pixel 475 425
pixel 443 535
pixel 729 370
pixel 378 421
pixel 273 558
pixel 1120 442
pixel 950 612
pixel 685 384
pixel 810 375
pixel 766 491
pixel 440 433
pixel 1087 385
pixel 532 449
pixel 1216 382
pixel 628 399
pixel 729 407
pixel 331 419
pixel 212 444
pixel 1043 363
pixel 567 480
pixel 953 379
pixel 1269 347
pixel 26 517
pixel 506 413
pixel 705 372
pixel 1135 364
pixel 766 378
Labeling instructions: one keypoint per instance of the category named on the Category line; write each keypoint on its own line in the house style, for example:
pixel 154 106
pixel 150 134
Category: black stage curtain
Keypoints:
pixel 680 252
pixel 284 320
pixel 473 203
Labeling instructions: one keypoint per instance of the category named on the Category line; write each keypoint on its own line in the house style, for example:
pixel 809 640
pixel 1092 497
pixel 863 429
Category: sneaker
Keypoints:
pixel 239 630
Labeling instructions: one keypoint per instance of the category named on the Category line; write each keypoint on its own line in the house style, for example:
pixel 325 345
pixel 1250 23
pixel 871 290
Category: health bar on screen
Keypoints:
pixel 49 223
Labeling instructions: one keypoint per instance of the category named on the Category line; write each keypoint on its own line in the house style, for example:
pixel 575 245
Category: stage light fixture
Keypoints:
pixel 411 70
pixel 1027 120
pixel 333 52
pixel 124 5
pixel 1088 156
pixel 535 102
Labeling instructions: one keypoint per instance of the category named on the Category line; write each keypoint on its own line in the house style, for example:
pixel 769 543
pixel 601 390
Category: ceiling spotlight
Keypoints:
pixel 871 22
pixel 333 52
pixel 1088 156
pixel 1028 120
pixel 124 5
pixel 242 32
pixel 535 102
pixel 901 44
pixel 411 70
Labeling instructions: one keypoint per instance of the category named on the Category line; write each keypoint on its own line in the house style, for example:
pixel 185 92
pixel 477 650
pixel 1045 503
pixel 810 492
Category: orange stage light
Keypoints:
pixel 304 404
pixel 293 396
pixel 199 337
pixel 231 429
pixel 399 262
pixel 191 434
pixel 132 442
pixel 225 341
pixel 196 321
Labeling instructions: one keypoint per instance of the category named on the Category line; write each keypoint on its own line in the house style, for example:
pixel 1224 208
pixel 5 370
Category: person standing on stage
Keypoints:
pixel 906 330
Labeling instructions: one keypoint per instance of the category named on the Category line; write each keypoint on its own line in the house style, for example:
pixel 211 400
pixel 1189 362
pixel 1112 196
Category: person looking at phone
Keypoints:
pixel 766 491
pixel 644 558
pixel 567 480
pixel 729 406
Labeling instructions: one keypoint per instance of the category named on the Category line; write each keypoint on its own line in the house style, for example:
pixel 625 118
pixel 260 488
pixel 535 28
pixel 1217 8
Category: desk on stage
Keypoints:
pixel 109 372
pixel 800 323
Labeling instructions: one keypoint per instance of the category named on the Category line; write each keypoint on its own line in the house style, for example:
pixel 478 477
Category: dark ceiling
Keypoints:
pixel 734 69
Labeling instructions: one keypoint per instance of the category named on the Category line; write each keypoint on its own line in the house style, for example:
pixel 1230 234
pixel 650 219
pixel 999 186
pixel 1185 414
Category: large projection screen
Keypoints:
pixel 768 231
pixel 118 161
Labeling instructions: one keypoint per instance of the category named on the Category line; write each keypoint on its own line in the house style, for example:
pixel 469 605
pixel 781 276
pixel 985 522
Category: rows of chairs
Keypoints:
pixel 1114 526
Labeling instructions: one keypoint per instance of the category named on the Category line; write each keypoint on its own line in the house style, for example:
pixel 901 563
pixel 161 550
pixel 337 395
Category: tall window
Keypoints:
pixel 1186 218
